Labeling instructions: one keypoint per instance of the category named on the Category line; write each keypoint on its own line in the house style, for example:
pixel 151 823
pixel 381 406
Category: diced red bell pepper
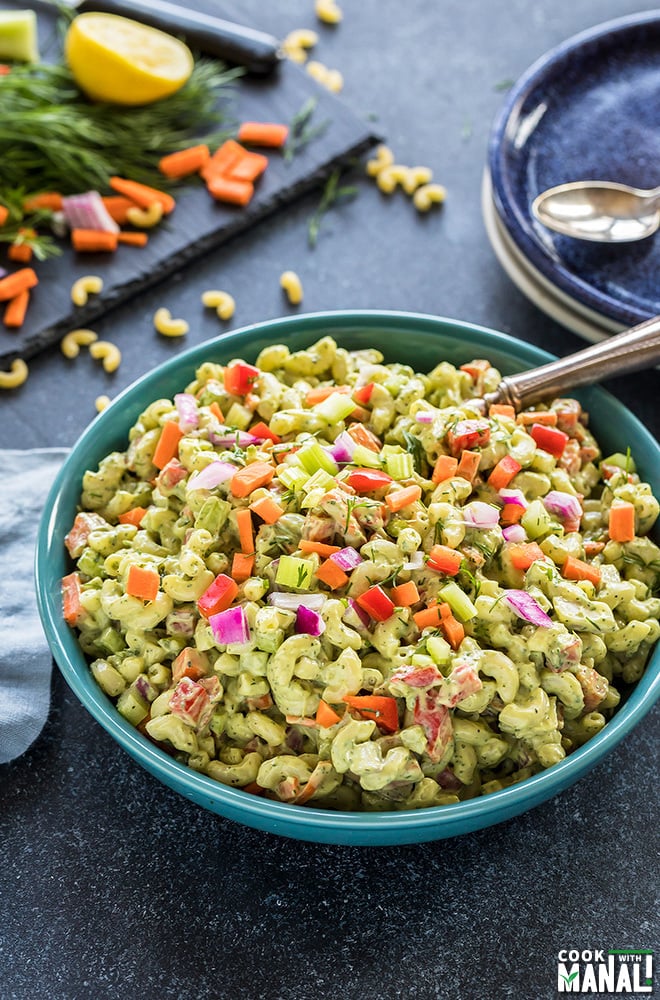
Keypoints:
pixel 376 603
pixel 240 377
pixel 435 720
pixel 83 525
pixel 468 434
pixel 381 708
pixel 367 480
pixel 550 439
pixel 419 677
pixel 218 597
pixel 363 394
pixel 189 701
pixel 262 430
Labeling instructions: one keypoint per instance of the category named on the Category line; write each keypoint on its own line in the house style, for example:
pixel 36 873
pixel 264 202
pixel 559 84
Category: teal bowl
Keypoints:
pixel 420 341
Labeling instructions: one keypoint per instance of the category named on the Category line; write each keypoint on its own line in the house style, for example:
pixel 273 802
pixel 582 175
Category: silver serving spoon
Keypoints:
pixel 629 351
pixel 601 211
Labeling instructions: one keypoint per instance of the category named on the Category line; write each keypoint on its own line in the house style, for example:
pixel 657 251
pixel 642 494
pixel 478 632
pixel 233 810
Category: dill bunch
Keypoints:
pixel 53 138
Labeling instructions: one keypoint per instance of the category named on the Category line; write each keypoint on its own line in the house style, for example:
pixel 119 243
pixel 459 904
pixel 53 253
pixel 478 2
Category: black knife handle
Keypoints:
pixel 255 50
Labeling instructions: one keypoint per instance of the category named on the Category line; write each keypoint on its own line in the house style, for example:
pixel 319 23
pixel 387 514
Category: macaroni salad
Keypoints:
pixel 333 581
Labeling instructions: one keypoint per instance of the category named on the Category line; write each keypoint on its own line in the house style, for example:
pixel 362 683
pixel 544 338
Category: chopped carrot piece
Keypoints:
pixel 4 215
pixel 214 407
pixel 267 509
pixel 522 556
pixel 511 513
pixel 501 410
pixel 133 239
pixel 469 465
pixel 21 253
pixel 262 430
pixel 189 663
pixel 93 241
pixel 17 282
pixel 403 498
pixel 332 575
pixel 16 309
pixel 306 545
pixel 71 606
pixel 143 195
pixel 428 618
pixel 51 200
pixel 326 716
pixel 547 417
pixel 233 192
pixel 321 392
pixel 249 167
pixel 245 530
pixel 168 444
pixel 242 565
pixel 263 134
pixel 405 594
pixel 576 569
pixel 506 469
pixel 445 467
pixel 225 157
pixel 250 478
pixel 621 525
pixel 142 582
pixel 185 161
pixel 117 206
pixel 453 631
pixel 445 560
pixel 476 368
pixel 133 516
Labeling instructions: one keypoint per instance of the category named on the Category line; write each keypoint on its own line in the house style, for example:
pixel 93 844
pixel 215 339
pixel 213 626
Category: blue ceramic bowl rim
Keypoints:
pixel 293 821
pixel 516 217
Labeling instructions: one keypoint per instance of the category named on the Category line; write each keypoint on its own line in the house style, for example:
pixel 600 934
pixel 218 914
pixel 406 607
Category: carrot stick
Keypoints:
pixel 230 191
pixel 453 630
pixel 546 417
pixel 214 407
pixel 506 469
pixel 445 559
pixel 132 239
pixel 325 715
pixel 468 465
pixel 402 498
pixel 511 513
pixel 17 282
pixel 522 556
pixel 501 410
pixel 4 215
pixel 267 509
pixel 249 167
pixel 321 392
pixel 263 133
pixel 133 516
pixel 241 566
pixel 331 574
pixel 621 525
pixel 185 161
pixel 143 195
pixel 428 618
pixel 168 444
pixel 117 206
pixel 51 200
pixel 142 583
pixel 224 158
pixel 405 594
pixel 245 531
pixel 93 241
pixel 16 309
pixel 250 478
pixel 305 545
pixel 21 253
pixel 576 569
pixel 445 467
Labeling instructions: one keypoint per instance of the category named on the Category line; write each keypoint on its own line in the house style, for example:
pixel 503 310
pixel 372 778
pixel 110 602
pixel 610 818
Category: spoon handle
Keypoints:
pixel 629 351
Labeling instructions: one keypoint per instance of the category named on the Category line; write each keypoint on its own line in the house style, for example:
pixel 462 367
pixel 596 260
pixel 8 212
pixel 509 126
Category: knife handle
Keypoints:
pixel 255 50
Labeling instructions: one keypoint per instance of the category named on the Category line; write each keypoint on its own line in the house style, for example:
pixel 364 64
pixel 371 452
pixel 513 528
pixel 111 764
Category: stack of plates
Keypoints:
pixel 588 110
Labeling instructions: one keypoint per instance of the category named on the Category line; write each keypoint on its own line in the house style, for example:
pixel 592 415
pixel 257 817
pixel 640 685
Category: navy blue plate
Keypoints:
pixel 588 109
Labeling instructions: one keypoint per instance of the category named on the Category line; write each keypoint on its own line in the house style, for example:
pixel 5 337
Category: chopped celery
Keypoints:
pixel 294 572
pixel 293 477
pixel 536 521
pixel 91 563
pixel 313 457
pixel 365 458
pixel 335 407
pixel 439 649
pixel 320 479
pixel 625 462
pixel 132 706
pixel 213 514
pixel 312 498
pixel 458 601
pixel 400 466
pixel 239 416
pixel 18 35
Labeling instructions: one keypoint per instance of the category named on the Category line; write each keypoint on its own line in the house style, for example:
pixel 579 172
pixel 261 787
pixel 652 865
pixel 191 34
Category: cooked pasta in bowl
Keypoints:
pixel 321 591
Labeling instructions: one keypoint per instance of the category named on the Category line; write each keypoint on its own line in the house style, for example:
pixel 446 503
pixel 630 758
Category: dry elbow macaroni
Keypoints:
pixel 222 302
pixel 89 284
pixel 167 326
pixel 385 650
pixel 71 342
pixel 416 182
pixel 109 354
pixel 16 376
pixel 292 286
pixel 328 11
pixel 145 218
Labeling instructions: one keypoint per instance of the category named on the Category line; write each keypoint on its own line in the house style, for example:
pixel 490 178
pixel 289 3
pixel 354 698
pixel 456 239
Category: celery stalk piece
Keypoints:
pixel 18 36
pixel 458 601
pixel 400 466
pixel 294 572
pixel 313 457
pixel 365 458
pixel 335 407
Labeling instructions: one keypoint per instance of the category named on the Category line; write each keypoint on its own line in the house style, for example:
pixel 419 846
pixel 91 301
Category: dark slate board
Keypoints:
pixel 198 224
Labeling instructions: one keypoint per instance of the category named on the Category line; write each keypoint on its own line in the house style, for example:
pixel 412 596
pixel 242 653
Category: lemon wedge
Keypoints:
pixel 117 60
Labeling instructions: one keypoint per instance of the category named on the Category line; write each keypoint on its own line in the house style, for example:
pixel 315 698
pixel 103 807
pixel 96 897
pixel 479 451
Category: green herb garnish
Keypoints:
pixel 415 448
pixel 332 193
pixel 301 132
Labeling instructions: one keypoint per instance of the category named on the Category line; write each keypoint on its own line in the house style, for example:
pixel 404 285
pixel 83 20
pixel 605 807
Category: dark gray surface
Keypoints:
pixel 113 886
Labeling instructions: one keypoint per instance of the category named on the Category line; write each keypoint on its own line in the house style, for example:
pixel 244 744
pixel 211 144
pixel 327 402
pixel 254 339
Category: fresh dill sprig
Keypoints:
pixel 301 133
pixel 415 448
pixel 332 193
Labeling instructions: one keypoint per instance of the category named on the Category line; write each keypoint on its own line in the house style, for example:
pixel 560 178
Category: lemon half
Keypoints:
pixel 120 61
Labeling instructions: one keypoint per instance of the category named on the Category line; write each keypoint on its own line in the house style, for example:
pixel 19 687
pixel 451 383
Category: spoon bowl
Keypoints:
pixel 600 211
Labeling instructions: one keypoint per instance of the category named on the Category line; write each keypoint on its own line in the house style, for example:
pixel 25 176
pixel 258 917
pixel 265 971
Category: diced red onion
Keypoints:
pixel 514 533
pixel 230 627
pixel 87 211
pixel 291 602
pixel 514 497
pixel 343 448
pixel 143 686
pixel 566 505
pixel 215 473
pixel 527 608
pixel 231 438
pixel 358 611
pixel 309 622
pixel 415 561
pixel 186 407
pixel 480 515
pixel 347 559
pixel 424 417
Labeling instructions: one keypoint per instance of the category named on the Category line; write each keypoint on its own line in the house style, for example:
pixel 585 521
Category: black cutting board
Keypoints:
pixel 198 223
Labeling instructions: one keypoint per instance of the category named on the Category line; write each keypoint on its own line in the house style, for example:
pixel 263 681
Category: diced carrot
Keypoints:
pixel 445 467
pixel 93 241
pixel 71 606
pixel 621 524
pixel 142 582
pixel 254 789
pixel 405 594
pixel 17 282
pixel 445 610
pixel 469 465
pixel 185 161
pixel 324 550
pixel 214 407
pixel 263 134
pixel 143 195
pixel 242 565
pixel 403 498
pixel 321 392
pixel 326 716
pixel 506 469
pixel 445 560
pixel 359 414
pixel 382 709
pixel 230 191
pixel 50 200
pixel 476 368
pixel 511 513
pixel 4 215
pixel 249 167
pixel 250 478
pixel 267 509
pixel 168 444
pixel 117 206
pixel 428 618
pixel 547 417
pixel 262 430
pixel 332 575
pixel 21 253
pixel 524 554
pixel 14 316
pixel 133 516
pixel 225 157
pixel 133 239
pixel 501 410
pixel 453 631
pixel 577 569
pixel 190 663
pixel 362 435
pixel 245 530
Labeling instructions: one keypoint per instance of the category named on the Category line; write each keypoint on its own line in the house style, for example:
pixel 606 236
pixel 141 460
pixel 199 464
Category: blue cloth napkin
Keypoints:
pixel 25 660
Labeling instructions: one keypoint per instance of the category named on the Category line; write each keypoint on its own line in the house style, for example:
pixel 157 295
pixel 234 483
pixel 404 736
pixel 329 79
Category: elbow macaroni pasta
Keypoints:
pixel 167 326
pixel 422 666
pixel 89 284
pixel 222 302
pixel 72 342
pixel 16 376
pixel 109 354
pixel 292 286
pixel 328 11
